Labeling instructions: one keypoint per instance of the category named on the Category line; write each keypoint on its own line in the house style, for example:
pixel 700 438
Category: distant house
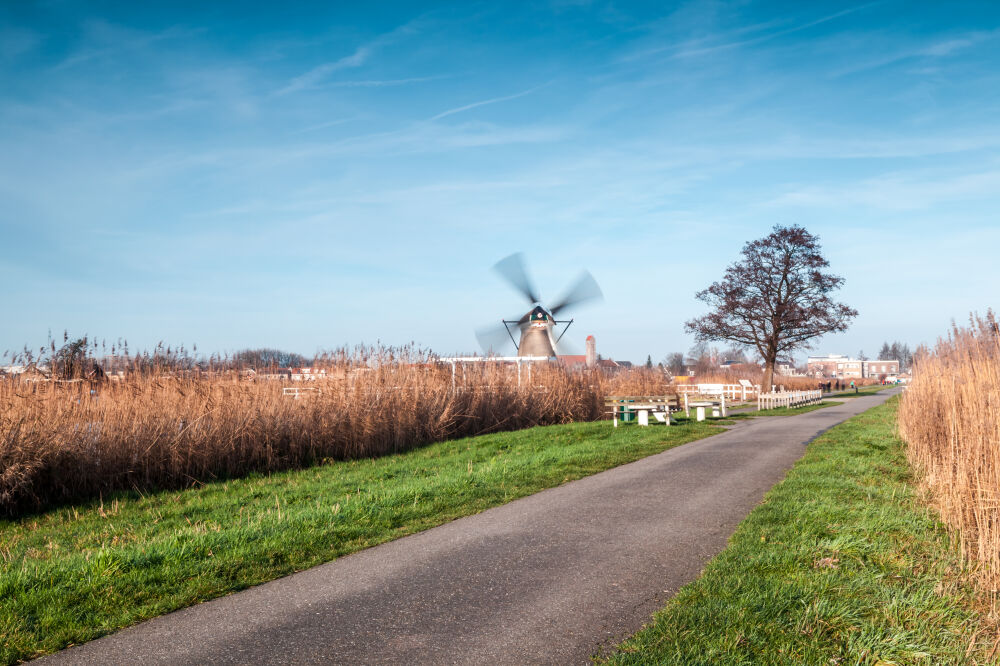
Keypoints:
pixel 834 366
pixel 881 368
pixel 838 366
pixel 590 359
pixel 307 374
pixel 274 374
pixel 787 370
pixel 574 361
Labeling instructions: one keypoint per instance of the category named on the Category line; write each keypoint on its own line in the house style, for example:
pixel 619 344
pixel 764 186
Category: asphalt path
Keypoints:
pixel 552 578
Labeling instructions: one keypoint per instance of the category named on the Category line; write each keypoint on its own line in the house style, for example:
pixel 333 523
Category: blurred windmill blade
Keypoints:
pixel 493 339
pixel 584 289
pixel 566 348
pixel 512 269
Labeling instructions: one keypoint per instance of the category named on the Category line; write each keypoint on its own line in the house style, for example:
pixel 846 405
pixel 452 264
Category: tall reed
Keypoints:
pixel 950 419
pixel 62 441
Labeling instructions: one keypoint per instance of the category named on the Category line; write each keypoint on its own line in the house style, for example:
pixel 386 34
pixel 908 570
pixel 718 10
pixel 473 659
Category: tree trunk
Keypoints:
pixel 765 385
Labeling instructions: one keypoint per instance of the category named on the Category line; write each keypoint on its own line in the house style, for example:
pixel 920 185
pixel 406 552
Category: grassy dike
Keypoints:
pixel 841 564
pixel 78 572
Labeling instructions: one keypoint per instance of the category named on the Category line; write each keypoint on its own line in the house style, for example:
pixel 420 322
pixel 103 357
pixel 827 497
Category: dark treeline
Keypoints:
pixel 89 358
pixel 897 351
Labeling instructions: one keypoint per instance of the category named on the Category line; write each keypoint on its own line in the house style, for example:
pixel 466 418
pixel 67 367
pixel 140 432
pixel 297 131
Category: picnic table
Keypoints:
pixel 642 406
pixel 718 407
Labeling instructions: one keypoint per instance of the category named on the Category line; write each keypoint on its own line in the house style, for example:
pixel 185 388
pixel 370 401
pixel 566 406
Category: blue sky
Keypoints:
pixel 306 177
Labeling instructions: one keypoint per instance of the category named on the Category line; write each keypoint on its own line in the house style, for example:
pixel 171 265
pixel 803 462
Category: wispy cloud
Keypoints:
pixel 315 75
pixel 359 57
pixel 899 191
pixel 382 83
pixel 104 39
pixel 724 40
pixel 936 49
pixel 319 126
pixel 485 102
pixel 692 52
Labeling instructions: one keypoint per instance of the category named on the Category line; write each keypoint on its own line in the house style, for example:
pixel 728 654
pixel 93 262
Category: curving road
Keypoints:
pixel 551 578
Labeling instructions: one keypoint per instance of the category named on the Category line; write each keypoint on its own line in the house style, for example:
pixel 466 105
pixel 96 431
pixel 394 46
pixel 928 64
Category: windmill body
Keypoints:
pixel 536 334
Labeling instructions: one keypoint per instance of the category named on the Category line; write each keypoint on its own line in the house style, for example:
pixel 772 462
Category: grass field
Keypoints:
pixel 73 574
pixel 841 564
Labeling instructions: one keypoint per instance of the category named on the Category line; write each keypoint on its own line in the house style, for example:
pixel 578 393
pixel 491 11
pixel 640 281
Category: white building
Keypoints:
pixel 838 366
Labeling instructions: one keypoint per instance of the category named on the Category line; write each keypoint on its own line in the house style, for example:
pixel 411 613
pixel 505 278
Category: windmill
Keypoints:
pixel 538 326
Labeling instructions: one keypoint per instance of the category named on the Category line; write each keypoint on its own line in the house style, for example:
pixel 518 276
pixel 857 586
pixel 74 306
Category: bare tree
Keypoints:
pixel 675 363
pixel 775 299
pixel 736 354
pixel 897 351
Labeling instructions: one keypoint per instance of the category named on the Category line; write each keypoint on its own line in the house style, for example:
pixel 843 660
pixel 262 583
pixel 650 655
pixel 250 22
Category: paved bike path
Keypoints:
pixel 551 578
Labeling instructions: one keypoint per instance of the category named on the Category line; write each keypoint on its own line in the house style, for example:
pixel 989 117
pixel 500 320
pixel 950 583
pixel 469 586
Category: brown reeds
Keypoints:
pixel 162 428
pixel 756 375
pixel 950 419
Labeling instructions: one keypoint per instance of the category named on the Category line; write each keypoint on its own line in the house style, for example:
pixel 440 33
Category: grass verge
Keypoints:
pixel 841 564
pixel 862 391
pixel 73 574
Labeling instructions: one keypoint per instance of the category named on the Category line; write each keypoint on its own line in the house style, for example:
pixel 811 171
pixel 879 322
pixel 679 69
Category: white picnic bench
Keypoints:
pixel 718 408
pixel 660 406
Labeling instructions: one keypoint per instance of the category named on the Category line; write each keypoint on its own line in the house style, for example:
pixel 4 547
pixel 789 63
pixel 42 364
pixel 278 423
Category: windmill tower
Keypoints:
pixel 536 334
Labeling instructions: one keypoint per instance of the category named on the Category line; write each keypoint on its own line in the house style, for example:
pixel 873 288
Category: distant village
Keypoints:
pixel 701 363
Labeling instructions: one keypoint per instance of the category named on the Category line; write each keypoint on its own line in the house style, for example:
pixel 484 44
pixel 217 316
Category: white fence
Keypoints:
pixel 788 399
pixel 732 391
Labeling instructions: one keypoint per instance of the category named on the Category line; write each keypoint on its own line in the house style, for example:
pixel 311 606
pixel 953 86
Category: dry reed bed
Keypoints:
pixel 756 377
pixel 59 443
pixel 950 419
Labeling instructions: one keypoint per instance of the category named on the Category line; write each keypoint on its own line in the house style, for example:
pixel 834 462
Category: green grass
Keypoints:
pixel 862 391
pixel 75 573
pixel 841 564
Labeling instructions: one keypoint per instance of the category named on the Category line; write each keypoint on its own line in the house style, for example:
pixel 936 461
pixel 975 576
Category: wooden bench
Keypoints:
pixel 659 406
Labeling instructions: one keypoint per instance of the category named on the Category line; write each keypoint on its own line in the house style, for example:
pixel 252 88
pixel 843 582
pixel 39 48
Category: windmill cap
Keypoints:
pixel 538 313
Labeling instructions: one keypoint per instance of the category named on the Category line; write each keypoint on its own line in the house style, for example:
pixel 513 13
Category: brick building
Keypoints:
pixel 834 366
pixel 838 366
pixel 881 368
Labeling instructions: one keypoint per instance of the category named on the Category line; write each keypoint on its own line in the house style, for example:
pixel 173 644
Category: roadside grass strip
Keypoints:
pixel 841 564
pixel 75 573
pixel 862 391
